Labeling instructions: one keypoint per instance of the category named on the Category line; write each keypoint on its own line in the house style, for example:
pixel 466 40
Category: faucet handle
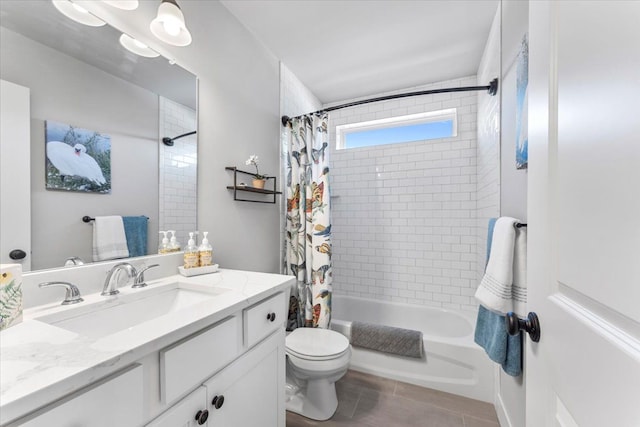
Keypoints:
pixel 139 280
pixel 72 295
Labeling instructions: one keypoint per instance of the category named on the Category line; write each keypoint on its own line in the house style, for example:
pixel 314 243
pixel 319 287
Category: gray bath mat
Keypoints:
pixel 404 342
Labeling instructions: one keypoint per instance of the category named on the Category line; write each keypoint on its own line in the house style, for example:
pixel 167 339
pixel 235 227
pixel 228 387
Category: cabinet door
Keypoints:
pixel 252 388
pixel 189 412
pixel 115 401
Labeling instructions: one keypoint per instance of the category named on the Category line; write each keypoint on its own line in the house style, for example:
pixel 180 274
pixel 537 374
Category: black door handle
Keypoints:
pixel 17 254
pixel 531 325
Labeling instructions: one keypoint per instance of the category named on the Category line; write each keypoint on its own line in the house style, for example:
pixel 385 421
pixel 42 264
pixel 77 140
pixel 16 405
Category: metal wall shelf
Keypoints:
pixel 246 188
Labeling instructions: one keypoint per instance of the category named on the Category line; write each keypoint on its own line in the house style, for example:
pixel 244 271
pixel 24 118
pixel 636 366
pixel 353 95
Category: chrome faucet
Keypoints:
pixel 74 260
pixel 111 282
pixel 72 295
pixel 139 282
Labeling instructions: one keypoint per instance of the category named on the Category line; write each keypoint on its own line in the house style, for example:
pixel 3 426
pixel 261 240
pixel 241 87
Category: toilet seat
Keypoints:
pixel 316 344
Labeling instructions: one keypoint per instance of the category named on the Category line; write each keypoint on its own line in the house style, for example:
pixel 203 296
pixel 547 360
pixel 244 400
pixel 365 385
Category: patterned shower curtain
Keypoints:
pixel 308 225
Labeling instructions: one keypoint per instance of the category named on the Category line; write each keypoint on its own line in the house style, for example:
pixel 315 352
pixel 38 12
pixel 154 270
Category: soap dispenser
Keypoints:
pixel 174 245
pixel 163 247
pixel 205 251
pixel 191 253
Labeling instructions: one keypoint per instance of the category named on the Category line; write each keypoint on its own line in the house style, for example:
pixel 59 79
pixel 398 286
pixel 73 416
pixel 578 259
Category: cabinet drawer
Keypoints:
pixel 114 401
pixel 264 318
pixel 186 364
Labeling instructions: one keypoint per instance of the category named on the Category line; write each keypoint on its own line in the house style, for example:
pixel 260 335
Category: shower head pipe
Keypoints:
pixel 169 141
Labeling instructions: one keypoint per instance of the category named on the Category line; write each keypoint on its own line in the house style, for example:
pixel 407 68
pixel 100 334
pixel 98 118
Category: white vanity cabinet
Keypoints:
pixel 249 391
pixel 219 363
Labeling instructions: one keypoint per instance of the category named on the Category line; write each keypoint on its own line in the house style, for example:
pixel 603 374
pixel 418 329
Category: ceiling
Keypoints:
pixel 351 48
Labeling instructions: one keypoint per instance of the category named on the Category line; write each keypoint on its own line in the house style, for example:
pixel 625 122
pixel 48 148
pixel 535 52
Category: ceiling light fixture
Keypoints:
pixel 77 13
pixel 137 47
pixel 123 4
pixel 169 25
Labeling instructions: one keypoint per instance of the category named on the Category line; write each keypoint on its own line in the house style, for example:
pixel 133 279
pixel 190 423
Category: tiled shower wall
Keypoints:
pixel 178 170
pixel 404 215
pixel 488 198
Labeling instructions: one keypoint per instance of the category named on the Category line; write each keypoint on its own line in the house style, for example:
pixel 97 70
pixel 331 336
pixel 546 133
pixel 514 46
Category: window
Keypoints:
pixel 395 130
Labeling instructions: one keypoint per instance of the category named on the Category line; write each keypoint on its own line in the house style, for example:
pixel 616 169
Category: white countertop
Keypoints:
pixel 40 363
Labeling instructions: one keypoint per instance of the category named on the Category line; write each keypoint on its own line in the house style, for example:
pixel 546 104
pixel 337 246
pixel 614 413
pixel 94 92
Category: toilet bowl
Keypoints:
pixel 316 359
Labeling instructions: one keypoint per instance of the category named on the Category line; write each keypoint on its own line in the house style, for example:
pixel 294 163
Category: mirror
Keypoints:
pixel 82 76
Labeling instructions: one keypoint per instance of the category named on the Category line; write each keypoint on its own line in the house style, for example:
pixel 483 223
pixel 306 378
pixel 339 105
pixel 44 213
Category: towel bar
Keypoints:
pixel 88 219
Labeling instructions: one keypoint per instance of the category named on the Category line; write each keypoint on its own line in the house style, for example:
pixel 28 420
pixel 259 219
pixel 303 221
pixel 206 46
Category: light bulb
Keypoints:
pixel 137 47
pixel 80 8
pixel 172 27
pixel 169 25
pixel 77 13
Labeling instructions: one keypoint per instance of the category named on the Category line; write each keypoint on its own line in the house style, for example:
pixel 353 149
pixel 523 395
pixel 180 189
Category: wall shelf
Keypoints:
pixel 237 188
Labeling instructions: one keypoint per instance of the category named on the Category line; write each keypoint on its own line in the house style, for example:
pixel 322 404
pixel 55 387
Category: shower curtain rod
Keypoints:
pixel 492 88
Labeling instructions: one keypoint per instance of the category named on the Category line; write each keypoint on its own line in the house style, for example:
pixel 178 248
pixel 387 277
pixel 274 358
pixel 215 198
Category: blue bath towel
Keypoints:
pixel 491 332
pixel 135 230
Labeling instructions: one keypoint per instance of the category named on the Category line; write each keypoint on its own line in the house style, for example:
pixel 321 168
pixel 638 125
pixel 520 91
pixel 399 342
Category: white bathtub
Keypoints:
pixel 453 362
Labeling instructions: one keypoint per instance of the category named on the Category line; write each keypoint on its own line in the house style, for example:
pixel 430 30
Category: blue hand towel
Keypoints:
pixel 135 230
pixel 491 332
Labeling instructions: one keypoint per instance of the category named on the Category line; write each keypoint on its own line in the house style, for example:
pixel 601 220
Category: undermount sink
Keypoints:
pixel 126 311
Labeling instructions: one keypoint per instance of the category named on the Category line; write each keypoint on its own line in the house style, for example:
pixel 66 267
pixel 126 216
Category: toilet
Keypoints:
pixel 316 359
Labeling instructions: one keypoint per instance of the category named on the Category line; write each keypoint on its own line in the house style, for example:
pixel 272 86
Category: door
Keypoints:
pixel 189 412
pixel 584 213
pixel 248 392
pixel 15 173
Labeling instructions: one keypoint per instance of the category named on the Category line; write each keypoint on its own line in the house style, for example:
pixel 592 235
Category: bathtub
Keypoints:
pixel 453 362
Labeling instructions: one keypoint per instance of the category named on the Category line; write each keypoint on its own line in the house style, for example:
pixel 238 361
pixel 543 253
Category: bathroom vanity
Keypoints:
pixel 205 350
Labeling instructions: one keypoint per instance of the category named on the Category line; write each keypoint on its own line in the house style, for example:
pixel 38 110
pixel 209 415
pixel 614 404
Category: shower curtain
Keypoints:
pixel 308 224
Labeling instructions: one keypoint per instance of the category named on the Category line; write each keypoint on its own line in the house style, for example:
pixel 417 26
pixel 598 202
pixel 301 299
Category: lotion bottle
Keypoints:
pixel 174 245
pixel 191 253
pixel 163 247
pixel 205 251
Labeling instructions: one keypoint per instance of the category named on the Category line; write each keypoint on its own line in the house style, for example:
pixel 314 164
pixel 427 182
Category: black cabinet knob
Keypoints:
pixel 202 416
pixel 17 254
pixel 271 316
pixel 218 401
pixel 531 325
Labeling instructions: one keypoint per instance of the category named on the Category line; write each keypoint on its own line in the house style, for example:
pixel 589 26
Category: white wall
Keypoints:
pixel 69 91
pixel 238 115
pixel 295 98
pixel 512 186
pixel 404 214
pixel 488 203
pixel 178 170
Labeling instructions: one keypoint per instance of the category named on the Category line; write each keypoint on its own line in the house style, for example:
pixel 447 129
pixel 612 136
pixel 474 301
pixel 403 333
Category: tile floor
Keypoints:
pixel 368 401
